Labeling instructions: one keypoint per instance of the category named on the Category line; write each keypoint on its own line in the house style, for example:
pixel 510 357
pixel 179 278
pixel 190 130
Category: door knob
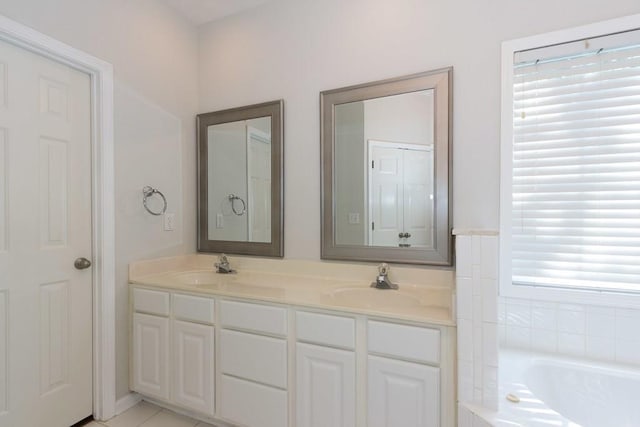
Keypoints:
pixel 81 263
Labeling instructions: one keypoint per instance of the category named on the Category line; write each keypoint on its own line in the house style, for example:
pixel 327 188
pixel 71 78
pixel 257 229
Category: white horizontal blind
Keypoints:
pixel 576 166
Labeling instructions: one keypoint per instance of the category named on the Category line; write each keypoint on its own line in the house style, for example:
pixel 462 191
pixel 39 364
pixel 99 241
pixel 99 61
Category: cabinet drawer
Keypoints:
pixel 251 404
pixel 194 309
pixel 410 342
pixel 254 317
pixel 254 357
pixel 325 329
pixel 153 302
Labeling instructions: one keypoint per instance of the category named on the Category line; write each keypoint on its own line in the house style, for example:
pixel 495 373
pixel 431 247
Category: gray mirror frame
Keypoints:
pixel 441 81
pixel 275 248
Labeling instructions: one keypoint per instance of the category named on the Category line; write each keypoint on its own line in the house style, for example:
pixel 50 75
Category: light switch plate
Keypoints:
pixel 169 221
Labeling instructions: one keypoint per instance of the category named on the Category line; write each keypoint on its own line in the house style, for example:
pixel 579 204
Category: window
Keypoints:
pixel 570 214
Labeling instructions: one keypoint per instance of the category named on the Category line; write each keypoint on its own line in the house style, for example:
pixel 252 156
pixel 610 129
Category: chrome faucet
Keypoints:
pixel 223 266
pixel 382 280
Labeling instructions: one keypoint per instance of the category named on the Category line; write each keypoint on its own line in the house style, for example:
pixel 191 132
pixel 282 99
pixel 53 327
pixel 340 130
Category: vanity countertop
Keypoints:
pixel 339 287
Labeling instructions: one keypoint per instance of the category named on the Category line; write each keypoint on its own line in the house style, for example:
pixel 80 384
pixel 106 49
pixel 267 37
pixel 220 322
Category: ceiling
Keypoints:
pixel 203 11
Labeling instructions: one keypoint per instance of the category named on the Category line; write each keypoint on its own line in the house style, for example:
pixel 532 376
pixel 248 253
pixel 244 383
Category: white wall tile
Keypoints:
pixel 627 326
pixel 476 249
pixel 544 318
pixel 571 344
pixel 465 340
pixel 628 351
pixel 518 313
pixel 490 300
pixel 490 392
pixel 571 321
pixel 544 340
pixel 490 345
pixel 518 337
pixel 600 324
pixel 465 381
pixel 600 348
pixel 476 280
pixel 489 262
pixel 463 256
pixel 464 298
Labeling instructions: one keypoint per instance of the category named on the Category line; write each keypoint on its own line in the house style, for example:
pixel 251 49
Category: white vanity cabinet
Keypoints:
pixel 253 364
pixel 325 370
pixel 150 355
pixel 403 386
pixel 173 348
pixel 243 362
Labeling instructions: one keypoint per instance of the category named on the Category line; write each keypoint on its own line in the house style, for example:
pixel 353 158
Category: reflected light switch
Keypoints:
pixel 219 221
pixel 354 218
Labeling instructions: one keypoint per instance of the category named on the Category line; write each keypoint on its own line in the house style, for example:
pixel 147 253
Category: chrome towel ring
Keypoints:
pixel 232 199
pixel 147 192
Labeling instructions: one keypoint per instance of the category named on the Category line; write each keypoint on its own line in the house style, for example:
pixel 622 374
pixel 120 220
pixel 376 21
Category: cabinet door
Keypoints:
pixel 193 378
pixel 151 355
pixel 402 394
pixel 326 381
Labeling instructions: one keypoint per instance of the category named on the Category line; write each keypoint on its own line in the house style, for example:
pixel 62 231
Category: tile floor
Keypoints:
pixel 145 414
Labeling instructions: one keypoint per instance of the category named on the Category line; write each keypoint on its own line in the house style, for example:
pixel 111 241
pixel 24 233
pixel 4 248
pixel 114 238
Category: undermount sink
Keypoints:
pixel 373 298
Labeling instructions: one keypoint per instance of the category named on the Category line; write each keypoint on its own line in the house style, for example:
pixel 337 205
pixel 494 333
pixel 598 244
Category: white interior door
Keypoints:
pixel 385 195
pixel 45 224
pixel 259 181
pixel 400 194
pixel 418 197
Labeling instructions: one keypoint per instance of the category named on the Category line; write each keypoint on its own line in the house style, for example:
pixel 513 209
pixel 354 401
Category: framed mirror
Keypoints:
pixel 240 183
pixel 386 169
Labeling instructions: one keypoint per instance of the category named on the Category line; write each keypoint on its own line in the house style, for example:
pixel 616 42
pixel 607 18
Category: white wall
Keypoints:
pixel 154 54
pixel 293 49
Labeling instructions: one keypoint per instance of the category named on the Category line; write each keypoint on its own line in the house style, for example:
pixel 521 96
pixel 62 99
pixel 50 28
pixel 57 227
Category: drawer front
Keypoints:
pixel 254 357
pixel 326 329
pixel 194 309
pixel 252 405
pixel 153 302
pixel 254 317
pixel 410 342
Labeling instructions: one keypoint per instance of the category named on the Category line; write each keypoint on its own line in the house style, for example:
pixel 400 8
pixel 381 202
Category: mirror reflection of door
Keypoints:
pixel 239 181
pixel 390 205
pixel 400 194
pixel 259 180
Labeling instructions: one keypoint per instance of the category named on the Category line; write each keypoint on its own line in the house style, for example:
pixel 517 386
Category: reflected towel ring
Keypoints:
pixel 232 199
pixel 148 191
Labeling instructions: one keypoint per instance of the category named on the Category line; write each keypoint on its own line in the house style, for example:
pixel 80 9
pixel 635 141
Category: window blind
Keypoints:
pixel 576 165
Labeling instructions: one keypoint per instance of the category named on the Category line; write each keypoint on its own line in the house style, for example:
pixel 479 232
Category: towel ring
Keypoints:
pixel 232 199
pixel 148 191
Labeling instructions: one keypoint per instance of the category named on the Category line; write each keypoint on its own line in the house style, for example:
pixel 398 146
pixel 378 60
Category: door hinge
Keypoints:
pixel 372 162
pixel 373 226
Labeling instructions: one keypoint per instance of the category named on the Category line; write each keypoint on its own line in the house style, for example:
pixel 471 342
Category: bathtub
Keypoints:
pixel 562 391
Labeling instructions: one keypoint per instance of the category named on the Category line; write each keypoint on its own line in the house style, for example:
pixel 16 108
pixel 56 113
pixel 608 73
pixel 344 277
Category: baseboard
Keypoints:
pixel 128 401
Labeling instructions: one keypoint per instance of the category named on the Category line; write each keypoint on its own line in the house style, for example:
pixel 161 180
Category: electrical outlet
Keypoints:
pixel 219 221
pixel 354 218
pixel 169 221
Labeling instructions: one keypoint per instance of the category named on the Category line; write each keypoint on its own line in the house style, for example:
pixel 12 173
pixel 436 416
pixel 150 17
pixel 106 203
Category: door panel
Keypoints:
pixel 326 391
pixel 402 394
pixel 45 224
pixel 151 355
pixel 386 196
pixel 193 366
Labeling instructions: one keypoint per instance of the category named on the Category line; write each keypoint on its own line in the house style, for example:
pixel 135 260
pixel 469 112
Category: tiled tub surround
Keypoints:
pixel 595 332
pixel 477 318
pixel 387 357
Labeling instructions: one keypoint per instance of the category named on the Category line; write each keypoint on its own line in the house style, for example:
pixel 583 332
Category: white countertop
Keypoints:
pixel 424 296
